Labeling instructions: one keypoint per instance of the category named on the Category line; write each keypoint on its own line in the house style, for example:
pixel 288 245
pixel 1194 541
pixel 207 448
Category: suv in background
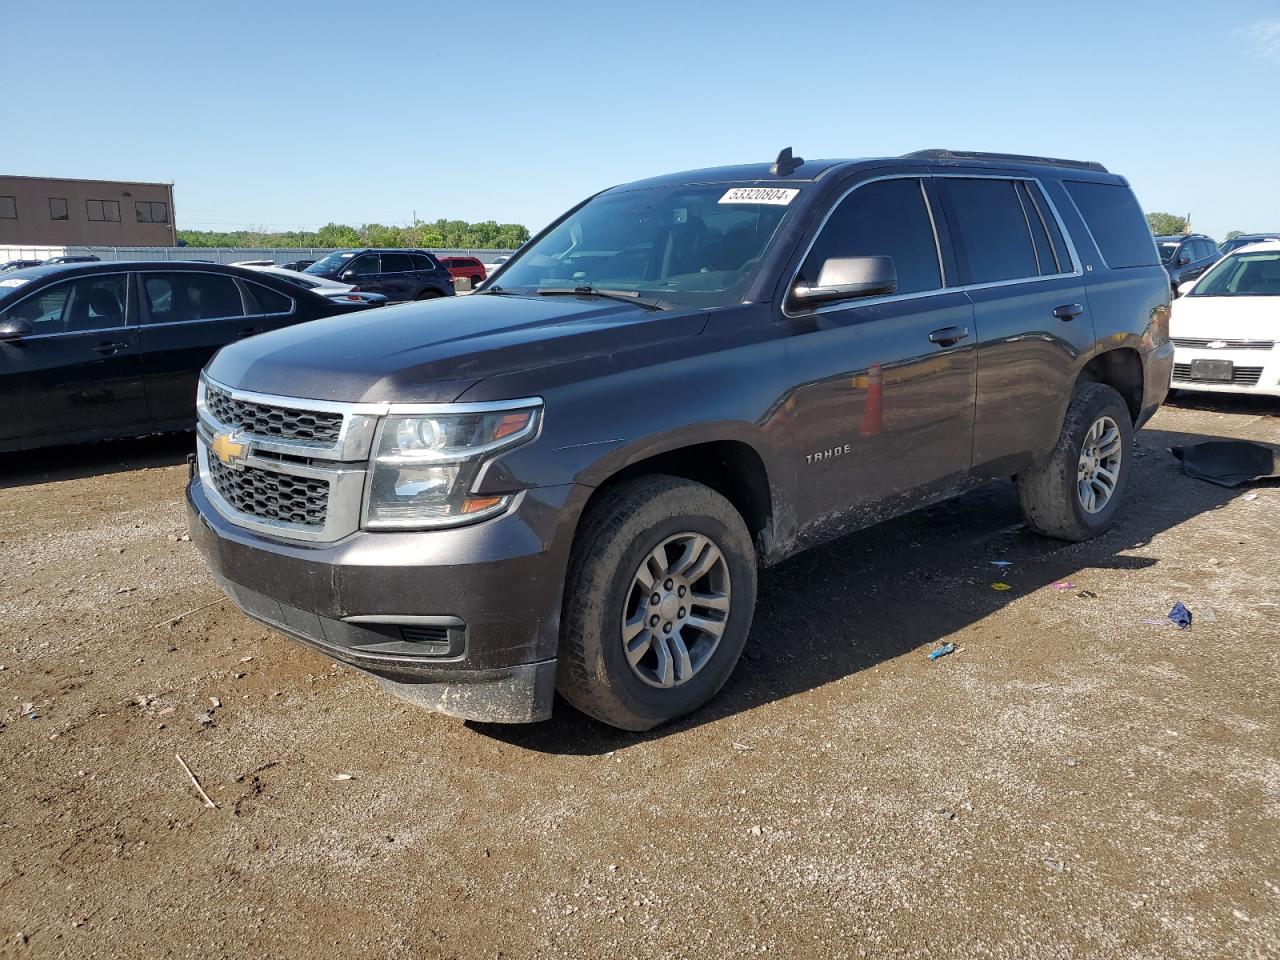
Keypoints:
pixel 1235 243
pixel 570 479
pixel 396 274
pixel 465 268
pixel 1186 257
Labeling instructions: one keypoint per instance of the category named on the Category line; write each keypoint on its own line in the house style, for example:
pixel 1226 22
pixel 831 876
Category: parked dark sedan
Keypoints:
pixel 396 274
pixel 98 350
pixel 10 265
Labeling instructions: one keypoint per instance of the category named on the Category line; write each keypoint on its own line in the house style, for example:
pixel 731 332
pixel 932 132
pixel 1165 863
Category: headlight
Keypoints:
pixel 425 465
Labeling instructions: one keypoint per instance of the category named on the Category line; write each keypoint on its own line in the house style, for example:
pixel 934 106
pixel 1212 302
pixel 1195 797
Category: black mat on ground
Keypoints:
pixel 1229 463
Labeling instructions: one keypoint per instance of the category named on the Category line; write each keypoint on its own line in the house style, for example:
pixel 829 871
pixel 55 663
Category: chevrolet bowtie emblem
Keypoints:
pixel 229 450
pixel 1216 344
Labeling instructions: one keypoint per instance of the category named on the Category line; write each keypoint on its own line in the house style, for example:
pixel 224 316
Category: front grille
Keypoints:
pixel 420 634
pixel 1240 376
pixel 1200 343
pixel 267 495
pixel 267 420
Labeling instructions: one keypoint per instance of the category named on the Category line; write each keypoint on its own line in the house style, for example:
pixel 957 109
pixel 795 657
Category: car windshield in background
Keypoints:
pixel 330 261
pixel 1243 275
pixel 682 246
pixel 1167 251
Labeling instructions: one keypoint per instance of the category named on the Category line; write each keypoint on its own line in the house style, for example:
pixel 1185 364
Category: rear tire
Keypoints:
pixel 429 295
pixel 476 281
pixel 1056 498
pixel 625 659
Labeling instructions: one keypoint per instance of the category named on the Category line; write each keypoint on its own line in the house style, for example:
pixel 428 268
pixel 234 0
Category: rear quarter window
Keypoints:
pixel 1116 222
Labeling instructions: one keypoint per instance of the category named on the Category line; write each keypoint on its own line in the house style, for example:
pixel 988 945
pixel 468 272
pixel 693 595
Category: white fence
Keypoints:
pixel 214 254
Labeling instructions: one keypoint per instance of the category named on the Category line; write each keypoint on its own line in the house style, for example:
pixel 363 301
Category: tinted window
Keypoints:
pixel 58 208
pixel 992 238
pixel 1042 211
pixel 886 218
pixel 1207 249
pixel 268 300
pixel 421 262
pixel 181 296
pixel 363 266
pixel 1116 222
pixel 396 262
pixel 90 303
pixel 1046 262
pixel 108 210
pixel 8 208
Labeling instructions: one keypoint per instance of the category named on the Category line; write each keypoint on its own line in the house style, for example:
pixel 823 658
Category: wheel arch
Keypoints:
pixel 1121 369
pixel 733 468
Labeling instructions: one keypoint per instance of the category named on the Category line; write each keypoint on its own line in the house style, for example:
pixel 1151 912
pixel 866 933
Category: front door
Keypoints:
pixel 78 373
pixel 883 416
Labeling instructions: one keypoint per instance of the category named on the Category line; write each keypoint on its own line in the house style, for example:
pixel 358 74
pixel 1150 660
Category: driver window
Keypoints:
pixel 884 218
pixel 365 265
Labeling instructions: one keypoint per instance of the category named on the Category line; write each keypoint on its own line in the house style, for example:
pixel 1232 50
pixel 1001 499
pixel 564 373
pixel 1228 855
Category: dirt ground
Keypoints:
pixel 1072 782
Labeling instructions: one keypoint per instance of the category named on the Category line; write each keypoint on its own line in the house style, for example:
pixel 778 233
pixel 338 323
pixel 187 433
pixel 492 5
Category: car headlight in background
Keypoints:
pixel 425 464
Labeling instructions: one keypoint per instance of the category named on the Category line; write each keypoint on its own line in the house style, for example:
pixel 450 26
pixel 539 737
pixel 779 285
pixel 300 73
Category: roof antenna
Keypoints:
pixel 786 164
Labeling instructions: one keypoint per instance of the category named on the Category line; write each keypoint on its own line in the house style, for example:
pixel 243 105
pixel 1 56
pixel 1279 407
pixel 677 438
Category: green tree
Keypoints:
pixel 1165 224
pixel 1234 233
pixel 442 234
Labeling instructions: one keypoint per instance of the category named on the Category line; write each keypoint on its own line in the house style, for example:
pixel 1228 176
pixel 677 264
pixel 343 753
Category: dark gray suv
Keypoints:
pixel 396 274
pixel 570 479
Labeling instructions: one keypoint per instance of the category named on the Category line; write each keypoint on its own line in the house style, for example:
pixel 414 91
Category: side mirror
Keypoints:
pixel 12 328
pixel 847 278
pixel 1183 260
pixel 1185 287
pixel 349 276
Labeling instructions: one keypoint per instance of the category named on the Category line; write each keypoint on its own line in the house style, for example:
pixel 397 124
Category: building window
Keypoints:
pixel 8 208
pixel 108 210
pixel 58 208
pixel 147 212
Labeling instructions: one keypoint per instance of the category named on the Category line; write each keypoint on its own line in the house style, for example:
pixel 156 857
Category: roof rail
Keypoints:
pixel 1016 157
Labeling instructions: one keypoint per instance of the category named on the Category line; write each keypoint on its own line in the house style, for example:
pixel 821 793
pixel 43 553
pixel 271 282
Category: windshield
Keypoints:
pixel 330 262
pixel 1167 250
pixel 1242 275
pixel 682 246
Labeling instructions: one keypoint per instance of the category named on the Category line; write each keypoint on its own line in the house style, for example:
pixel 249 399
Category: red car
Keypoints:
pixel 464 268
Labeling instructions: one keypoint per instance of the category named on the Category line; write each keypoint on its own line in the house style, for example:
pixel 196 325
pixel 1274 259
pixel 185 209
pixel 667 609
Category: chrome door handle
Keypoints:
pixel 948 336
pixel 1068 311
pixel 109 347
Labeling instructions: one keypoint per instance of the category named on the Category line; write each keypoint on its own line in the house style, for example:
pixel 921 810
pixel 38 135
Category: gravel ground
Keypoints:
pixel 1071 782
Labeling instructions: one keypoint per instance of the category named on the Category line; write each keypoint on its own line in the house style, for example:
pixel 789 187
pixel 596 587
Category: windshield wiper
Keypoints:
pixel 586 290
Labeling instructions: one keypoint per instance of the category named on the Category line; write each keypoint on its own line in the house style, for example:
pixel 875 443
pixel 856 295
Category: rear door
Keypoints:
pixel 1030 308
pixel 885 403
pixel 78 373
pixel 186 316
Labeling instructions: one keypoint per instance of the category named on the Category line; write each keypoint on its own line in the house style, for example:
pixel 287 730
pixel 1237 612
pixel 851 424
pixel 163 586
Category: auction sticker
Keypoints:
pixel 778 196
pixel 13 282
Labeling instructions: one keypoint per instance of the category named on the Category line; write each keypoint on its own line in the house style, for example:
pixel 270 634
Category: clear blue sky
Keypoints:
pixel 283 115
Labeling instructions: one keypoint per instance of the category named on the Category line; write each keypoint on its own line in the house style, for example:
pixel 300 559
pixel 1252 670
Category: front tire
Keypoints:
pixel 429 295
pixel 658 602
pixel 1076 495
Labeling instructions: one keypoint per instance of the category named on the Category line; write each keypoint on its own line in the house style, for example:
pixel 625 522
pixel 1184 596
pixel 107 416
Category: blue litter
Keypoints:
pixel 1002 563
pixel 1180 616
pixel 942 651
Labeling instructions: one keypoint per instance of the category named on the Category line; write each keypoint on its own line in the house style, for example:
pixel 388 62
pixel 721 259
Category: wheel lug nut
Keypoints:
pixel 653 621
pixel 668 585
pixel 666 628
pixel 682 591
pixel 655 600
pixel 681 613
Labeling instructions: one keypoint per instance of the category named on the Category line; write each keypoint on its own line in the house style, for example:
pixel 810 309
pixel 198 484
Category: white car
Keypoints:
pixel 320 285
pixel 1225 325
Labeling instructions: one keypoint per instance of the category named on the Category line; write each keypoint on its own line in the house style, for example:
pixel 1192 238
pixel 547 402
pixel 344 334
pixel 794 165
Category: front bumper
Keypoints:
pixel 462 620
pixel 1255 371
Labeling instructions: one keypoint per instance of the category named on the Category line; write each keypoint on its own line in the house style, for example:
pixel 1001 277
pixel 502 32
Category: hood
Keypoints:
pixel 1227 318
pixel 432 351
